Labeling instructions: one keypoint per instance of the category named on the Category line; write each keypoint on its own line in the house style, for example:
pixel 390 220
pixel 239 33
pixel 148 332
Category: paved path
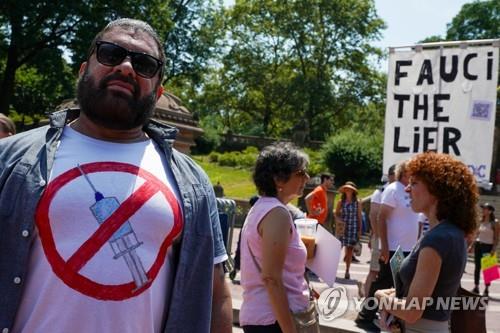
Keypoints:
pixel 358 273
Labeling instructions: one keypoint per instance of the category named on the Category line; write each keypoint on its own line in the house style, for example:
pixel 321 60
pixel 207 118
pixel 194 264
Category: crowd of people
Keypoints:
pixel 426 211
pixel 105 227
pixel 444 190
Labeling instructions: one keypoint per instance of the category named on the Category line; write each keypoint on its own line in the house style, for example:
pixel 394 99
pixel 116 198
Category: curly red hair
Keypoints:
pixel 452 183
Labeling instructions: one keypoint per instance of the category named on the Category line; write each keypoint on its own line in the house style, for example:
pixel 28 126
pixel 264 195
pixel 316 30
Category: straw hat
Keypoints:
pixel 488 206
pixel 348 185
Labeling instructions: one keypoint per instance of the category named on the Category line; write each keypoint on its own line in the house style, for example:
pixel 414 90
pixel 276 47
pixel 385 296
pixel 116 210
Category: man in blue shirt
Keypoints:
pixel 103 225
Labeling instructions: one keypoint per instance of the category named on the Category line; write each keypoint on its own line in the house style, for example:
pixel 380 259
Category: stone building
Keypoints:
pixel 169 110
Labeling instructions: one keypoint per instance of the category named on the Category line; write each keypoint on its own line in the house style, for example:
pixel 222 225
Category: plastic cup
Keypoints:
pixel 307 231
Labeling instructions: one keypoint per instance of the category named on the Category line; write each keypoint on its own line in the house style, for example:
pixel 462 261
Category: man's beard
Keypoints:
pixel 110 109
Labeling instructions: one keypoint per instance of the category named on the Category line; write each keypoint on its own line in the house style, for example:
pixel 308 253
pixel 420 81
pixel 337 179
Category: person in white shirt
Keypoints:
pixel 375 202
pixel 397 226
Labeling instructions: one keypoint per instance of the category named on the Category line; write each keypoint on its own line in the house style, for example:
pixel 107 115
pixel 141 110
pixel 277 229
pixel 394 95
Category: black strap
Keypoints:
pixel 253 258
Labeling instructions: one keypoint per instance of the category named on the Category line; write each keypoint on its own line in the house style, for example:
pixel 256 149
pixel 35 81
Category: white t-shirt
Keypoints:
pixel 93 271
pixel 376 198
pixel 402 223
pixel 377 195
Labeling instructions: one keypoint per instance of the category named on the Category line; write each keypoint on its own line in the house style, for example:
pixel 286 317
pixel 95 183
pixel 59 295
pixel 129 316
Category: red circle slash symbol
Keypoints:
pixel 68 271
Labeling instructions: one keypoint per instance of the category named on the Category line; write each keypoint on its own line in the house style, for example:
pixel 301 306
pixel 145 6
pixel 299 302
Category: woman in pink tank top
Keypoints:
pixel 273 257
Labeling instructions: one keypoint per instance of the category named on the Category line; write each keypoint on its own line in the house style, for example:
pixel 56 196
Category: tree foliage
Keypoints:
pixel 476 20
pixel 292 62
pixel 192 40
pixel 29 30
pixel 354 155
pixel 41 86
pixel 30 27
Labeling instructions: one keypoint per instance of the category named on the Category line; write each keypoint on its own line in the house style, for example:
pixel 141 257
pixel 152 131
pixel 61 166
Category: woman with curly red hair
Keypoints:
pixel 444 190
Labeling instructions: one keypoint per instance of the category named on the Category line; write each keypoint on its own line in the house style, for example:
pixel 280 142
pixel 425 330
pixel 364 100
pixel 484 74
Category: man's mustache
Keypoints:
pixel 119 77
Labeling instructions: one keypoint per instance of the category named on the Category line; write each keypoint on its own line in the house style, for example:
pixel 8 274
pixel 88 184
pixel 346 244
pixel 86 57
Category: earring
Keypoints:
pixel 280 189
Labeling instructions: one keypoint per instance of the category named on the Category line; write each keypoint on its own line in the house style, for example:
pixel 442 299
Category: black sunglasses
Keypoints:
pixel 301 173
pixel 110 54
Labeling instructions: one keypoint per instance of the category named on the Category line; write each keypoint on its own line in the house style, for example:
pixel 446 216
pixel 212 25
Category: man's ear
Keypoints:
pixel 83 66
pixel 159 92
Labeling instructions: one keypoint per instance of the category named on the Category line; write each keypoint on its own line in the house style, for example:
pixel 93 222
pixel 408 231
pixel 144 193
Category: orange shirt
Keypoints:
pixel 319 200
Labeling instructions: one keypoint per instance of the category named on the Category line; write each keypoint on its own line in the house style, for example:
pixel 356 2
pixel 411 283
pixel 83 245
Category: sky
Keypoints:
pixel 409 21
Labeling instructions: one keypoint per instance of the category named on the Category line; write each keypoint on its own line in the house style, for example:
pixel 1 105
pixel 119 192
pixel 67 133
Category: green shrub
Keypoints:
pixel 213 157
pixel 244 160
pixel 229 159
pixel 247 161
pixel 316 165
pixel 207 142
pixel 238 159
pixel 355 156
pixel 250 150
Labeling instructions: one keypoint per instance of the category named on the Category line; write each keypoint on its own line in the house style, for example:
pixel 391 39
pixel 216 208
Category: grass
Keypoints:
pixel 237 183
pixel 364 192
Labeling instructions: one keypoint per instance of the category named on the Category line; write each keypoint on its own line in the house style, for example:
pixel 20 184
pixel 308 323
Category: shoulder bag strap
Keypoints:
pixel 253 258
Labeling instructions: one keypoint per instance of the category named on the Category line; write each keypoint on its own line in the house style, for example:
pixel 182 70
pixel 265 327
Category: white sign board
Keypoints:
pixel 442 100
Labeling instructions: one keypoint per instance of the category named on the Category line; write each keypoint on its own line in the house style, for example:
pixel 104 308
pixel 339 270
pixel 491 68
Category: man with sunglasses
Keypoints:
pixel 104 227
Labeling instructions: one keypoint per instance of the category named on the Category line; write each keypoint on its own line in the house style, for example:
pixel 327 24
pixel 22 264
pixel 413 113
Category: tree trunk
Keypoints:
pixel 9 77
pixel 7 88
pixel 266 120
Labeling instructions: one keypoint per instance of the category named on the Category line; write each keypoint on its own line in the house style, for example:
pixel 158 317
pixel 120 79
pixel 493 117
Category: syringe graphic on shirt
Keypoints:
pixel 124 241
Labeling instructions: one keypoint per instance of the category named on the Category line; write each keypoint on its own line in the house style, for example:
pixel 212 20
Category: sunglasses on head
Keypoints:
pixel 301 173
pixel 110 54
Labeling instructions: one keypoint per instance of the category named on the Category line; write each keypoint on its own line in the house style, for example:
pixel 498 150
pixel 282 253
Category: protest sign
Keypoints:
pixel 442 99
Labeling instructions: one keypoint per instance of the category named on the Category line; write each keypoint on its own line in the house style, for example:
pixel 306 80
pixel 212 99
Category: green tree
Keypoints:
pixel 433 39
pixel 295 61
pixel 476 20
pixel 41 86
pixel 354 155
pixel 29 29
pixel 193 37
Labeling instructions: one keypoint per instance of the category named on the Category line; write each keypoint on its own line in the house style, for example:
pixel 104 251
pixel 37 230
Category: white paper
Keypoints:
pixel 327 257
